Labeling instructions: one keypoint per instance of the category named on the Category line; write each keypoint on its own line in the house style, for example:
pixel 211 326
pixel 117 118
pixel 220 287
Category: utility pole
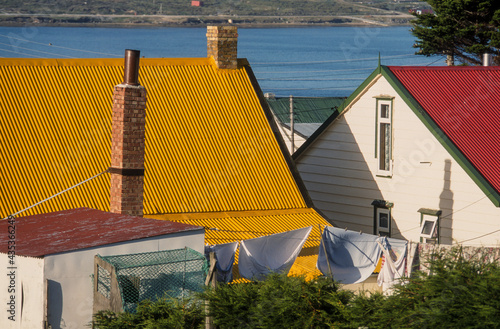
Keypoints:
pixel 292 133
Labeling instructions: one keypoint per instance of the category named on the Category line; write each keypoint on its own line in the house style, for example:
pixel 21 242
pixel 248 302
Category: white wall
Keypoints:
pixel 339 170
pixel 26 285
pixel 286 134
pixel 70 286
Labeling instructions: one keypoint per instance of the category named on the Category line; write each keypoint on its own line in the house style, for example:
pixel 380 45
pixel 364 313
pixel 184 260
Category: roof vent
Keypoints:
pixel 486 59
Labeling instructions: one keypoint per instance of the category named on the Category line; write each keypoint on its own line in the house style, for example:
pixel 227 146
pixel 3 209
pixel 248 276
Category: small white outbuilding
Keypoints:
pixel 47 280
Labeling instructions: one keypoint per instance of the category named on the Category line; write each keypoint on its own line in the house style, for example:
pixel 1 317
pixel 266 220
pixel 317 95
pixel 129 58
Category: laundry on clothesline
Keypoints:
pixel 394 253
pixel 348 256
pixel 273 253
pixel 224 255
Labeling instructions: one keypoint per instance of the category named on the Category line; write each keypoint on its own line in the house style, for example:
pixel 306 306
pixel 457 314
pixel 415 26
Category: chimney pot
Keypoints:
pixel 131 71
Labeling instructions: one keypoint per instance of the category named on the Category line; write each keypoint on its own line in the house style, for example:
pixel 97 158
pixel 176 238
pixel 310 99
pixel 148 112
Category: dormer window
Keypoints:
pixel 384 137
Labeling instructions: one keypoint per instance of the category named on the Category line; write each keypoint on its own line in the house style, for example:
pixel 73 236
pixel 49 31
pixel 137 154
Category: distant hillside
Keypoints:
pixel 209 7
pixel 183 13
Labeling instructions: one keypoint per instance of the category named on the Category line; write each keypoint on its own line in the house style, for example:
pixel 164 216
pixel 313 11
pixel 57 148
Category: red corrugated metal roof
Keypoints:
pixel 75 229
pixel 464 102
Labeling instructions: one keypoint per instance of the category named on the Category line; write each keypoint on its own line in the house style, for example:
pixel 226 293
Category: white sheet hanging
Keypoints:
pixel 350 257
pixel 394 266
pixel 273 253
pixel 224 254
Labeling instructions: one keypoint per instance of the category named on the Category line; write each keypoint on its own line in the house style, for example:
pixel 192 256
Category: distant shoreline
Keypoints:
pixel 155 21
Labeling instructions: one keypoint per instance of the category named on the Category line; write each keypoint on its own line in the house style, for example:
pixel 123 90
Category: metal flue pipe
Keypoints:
pixel 131 72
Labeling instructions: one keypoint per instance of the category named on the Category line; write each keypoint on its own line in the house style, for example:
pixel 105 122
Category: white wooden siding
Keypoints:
pixel 286 134
pixel 339 170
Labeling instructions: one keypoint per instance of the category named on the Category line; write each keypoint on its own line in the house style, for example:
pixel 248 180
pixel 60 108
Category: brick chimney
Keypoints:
pixel 127 140
pixel 222 45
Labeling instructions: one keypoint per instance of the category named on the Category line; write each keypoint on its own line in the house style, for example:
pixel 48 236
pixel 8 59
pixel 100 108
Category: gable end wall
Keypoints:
pixel 339 170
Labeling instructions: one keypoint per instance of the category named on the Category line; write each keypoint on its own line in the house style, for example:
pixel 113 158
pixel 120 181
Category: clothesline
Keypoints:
pixel 260 256
pixel 268 233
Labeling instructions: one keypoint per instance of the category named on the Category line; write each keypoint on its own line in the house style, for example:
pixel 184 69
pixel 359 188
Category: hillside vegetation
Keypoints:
pixel 209 7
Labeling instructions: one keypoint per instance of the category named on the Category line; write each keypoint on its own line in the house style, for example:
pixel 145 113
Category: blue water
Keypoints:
pixel 312 61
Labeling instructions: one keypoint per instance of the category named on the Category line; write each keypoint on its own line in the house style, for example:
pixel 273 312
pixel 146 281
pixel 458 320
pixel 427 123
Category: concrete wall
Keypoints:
pixel 340 173
pixel 70 292
pixel 22 283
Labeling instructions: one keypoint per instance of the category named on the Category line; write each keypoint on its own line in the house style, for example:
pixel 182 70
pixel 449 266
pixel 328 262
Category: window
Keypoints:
pixel 384 137
pixel 429 225
pixel 383 222
pixel 382 217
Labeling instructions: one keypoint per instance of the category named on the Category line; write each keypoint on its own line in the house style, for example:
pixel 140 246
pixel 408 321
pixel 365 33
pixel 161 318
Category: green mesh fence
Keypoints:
pixel 174 273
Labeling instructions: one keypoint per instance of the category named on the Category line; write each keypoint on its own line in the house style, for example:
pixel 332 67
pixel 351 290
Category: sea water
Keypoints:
pixel 305 61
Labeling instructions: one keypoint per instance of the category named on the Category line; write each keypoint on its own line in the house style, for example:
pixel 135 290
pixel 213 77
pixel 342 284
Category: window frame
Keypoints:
pixel 433 221
pixel 384 101
pixel 430 215
pixel 380 228
pixel 382 207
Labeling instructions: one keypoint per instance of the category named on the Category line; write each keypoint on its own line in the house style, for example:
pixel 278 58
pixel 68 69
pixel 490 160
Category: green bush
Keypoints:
pixel 279 302
pixel 460 292
pixel 164 313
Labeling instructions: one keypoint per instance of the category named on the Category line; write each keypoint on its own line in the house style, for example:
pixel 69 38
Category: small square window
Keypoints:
pixel 429 227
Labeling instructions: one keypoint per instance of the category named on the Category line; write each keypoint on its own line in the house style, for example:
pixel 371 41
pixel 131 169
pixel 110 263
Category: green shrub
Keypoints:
pixel 164 313
pixel 460 292
pixel 278 302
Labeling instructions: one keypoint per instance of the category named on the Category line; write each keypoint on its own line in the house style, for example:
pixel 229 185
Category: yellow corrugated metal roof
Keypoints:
pixel 209 146
pixel 236 226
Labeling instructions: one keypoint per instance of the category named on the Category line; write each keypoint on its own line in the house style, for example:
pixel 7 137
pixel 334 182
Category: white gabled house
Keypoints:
pixel 413 153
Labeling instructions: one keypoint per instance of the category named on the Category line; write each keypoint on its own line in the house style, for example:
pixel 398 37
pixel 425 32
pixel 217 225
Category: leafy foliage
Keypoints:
pixel 163 313
pixel 465 29
pixel 460 292
pixel 279 302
